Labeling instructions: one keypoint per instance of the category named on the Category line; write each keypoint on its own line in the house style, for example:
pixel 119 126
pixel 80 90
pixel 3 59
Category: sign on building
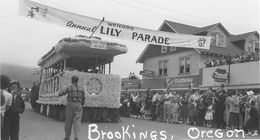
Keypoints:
pixel 183 82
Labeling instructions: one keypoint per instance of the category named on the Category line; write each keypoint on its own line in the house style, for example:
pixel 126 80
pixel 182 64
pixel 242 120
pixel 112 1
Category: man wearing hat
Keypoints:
pixel 73 112
pixel 12 115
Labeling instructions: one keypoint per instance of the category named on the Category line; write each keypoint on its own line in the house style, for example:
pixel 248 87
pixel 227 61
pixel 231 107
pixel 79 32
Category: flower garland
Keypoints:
pixel 108 96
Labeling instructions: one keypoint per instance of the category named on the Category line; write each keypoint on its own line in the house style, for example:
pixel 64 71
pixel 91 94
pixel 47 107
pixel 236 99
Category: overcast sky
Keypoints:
pixel 24 41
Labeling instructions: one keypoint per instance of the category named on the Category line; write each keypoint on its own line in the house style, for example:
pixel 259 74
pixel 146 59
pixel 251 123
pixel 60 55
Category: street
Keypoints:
pixel 34 126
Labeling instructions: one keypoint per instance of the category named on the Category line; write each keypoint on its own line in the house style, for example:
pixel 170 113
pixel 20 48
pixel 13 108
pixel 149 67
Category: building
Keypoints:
pixel 176 68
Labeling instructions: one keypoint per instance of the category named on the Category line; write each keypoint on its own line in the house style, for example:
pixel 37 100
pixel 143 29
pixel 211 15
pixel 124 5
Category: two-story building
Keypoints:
pixel 176 68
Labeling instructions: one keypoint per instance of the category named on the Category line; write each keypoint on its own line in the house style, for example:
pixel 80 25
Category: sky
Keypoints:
pixel 24 41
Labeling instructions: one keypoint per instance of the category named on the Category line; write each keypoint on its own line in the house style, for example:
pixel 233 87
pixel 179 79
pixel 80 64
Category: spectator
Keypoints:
pixel 192 110
pixel 234 111
pixel 166 107
pixel 6 98
pixel 185 106
pixel 227 110
pixel 252 124
pixel 174 111
pixel 220 107
pixel 209 116
pixel 12 115
pixel 201 109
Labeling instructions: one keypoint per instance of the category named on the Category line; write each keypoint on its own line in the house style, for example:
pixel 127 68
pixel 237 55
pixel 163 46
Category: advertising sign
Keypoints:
pixel 182 82
pixel 220 75
pixel 146 73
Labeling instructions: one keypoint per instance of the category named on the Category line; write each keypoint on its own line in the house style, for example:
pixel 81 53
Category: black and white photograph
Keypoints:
pixel 129 69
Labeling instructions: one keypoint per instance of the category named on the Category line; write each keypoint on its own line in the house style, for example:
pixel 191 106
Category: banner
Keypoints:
pixel 86 24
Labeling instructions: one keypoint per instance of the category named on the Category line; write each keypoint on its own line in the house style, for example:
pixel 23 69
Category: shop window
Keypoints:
pixel 163 67
pixel 185 65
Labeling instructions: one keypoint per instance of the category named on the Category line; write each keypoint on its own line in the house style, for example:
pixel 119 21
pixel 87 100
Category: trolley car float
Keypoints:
pixel 86 58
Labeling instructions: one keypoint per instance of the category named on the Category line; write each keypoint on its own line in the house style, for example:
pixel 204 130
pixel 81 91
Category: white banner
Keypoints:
pixel 111 29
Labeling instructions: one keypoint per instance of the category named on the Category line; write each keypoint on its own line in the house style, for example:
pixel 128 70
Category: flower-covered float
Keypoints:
pixel 87 58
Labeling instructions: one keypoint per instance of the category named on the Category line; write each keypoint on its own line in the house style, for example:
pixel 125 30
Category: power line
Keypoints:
pixel 149 11
pixel 190 15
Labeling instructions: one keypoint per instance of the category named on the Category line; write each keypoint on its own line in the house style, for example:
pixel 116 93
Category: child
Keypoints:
pixel 209 116
pixel 174 111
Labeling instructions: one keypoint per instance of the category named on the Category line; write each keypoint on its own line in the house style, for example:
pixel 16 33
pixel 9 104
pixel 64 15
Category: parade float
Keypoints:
pixel 87 58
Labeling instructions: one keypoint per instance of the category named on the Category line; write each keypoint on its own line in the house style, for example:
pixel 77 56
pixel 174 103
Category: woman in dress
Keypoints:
pixel 192 108
pixel 209 116
pixel 227 111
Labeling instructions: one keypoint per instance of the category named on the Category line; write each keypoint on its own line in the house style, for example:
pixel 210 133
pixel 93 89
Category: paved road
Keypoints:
pixel 38 127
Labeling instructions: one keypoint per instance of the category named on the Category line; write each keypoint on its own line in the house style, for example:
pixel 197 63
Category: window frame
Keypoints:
pixel 163 65
pixel 252 47
pixel 164 49
pixel 218 35
pixel 185 58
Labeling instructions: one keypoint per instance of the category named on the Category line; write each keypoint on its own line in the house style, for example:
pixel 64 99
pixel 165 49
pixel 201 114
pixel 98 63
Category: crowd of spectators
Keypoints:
pixel 236 109
pixel 228 60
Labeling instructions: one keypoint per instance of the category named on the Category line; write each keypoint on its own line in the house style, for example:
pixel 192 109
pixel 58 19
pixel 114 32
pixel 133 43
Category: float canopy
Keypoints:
pixel 83 49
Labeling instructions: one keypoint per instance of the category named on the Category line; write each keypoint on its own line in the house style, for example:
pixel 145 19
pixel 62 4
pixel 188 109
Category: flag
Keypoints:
pixel 88 25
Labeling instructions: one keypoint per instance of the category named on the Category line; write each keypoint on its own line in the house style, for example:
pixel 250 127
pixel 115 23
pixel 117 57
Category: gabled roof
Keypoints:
pixel 243 36
pixel 154 50
pixel 207 28
pixel 181 28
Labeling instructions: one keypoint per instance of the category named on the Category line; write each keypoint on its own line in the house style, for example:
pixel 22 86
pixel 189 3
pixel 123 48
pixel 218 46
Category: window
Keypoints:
pixel 185 65
pixel 172 49
pixel 251 47
pixel 163 49
pixel 163 64
pixel 217 39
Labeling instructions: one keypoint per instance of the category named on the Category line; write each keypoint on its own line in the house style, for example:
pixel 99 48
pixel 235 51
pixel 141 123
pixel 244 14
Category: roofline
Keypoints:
pixel 164 22
pixel 219 24
pixel 253 33
pixel 169 26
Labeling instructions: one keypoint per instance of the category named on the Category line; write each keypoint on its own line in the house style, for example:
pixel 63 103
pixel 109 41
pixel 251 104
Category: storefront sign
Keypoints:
pixel 154 83
pixel 146 73
pixel 89 25
pixel 131 84
pixel 220 75
pixel 182 82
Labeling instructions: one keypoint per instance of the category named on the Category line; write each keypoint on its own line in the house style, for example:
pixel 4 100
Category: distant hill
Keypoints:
pixel 22 74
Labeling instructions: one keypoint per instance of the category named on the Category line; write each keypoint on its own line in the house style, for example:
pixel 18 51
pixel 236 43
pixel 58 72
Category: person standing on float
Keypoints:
pixel 73 112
